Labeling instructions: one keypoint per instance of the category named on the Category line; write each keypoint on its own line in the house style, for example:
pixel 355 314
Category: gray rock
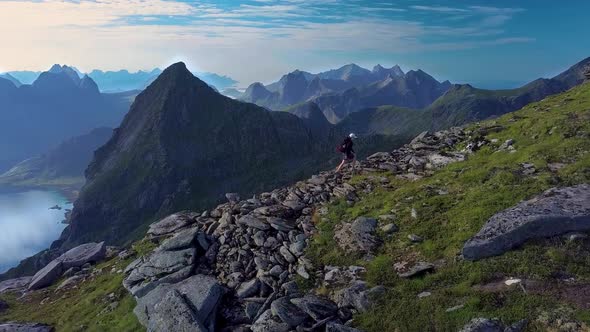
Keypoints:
pixel 233 198
pixel 276 271
pixel 554 212
pixel 336 327
pixel 252 308
pixel 415 238
pixel 287 255
pixel 14 284
pixel 358 236
pixel 355 296
pixel 202 295
pixel 483 325
pixel 266 323
pixel 181 240
pixel 295 205
pixel 174 313
pixel 248 288
pixel 290 288
pixel 160 267
pixel 316 307
pixel 69 282
pixel 281 224
pixel 389 228
pixel 297 248
pixel 172 223
pixel 47 275
pixel 3 306
pixel 418 269
pixel 278 211
pixel 25 327
pixel 83 254
pixel 288 312
pixel 259 238
pixel 252 221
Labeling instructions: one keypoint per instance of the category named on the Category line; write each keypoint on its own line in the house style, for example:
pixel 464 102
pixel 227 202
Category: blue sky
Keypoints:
pixel 488 43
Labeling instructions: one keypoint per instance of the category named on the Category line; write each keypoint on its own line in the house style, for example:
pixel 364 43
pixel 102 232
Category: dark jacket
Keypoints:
pixel 347 149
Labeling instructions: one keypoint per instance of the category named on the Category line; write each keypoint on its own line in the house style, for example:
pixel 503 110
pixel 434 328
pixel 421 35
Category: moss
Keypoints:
pixel 554 130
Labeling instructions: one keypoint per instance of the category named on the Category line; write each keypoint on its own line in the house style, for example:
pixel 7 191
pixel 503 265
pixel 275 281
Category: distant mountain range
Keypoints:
pixel 57 106
pixel 340 92
pixel 123 80
pixel 462 104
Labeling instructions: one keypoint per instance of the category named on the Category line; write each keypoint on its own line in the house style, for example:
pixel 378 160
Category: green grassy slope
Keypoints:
pixel 555 130
pixel 83 308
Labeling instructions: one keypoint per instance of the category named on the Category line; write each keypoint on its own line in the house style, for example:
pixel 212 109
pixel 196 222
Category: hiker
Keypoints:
pixel 347 151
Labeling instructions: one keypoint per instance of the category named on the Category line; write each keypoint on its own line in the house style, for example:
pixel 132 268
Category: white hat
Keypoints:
pixel 352 135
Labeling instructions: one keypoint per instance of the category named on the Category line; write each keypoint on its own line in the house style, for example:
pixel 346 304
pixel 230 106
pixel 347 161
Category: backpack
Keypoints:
pixel 342 147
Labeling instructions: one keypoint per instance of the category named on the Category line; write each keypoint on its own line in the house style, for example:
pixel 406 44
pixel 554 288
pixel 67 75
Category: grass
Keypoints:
pixel 556 129
pixel 84 308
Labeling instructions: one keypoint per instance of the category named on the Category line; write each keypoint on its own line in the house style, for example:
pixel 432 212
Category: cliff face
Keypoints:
pixel 183 144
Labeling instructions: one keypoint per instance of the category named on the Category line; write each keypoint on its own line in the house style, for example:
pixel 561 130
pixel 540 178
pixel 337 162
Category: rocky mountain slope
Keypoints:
pixel 61 166
pixel 57 106
pixel 400 244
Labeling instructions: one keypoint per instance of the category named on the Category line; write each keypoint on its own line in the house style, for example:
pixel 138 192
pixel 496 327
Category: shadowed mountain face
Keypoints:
pixel 57 106
pixel 184 145
pixel 342 91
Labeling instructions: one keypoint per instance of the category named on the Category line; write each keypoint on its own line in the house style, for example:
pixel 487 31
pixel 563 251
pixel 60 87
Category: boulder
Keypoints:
pixel 288 312
pixel 75 257
pixel 14 284
pixel 160 267
pixel 47 275
pixel 316 307
pixel 25 327
pixel 3 306
pixel 266 323
pixel 355 296
pixel 182 240
pixel 83 254
pixel 336 327
pixel 554 212
pixel 248 288
pixel 172 223
pixel 419 269
pixel 174 313
pixel 483 325
pixel 196 300
pixel 358 236
pixel 254 222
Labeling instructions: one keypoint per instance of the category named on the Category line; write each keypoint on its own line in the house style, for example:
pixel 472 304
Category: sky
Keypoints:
pixel 488 43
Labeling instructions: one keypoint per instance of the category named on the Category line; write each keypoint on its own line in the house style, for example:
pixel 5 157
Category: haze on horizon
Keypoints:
pixel 482 42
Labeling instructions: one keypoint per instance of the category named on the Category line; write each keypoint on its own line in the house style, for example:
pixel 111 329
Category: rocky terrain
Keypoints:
pixel 380 247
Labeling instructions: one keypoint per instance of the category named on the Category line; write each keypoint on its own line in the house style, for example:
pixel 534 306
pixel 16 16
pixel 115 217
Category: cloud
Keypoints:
pixel 258 40
pixel 439 9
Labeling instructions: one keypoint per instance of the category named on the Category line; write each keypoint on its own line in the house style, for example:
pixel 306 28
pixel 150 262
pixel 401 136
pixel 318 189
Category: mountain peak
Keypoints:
pixel 71 72
pixel 378 68
pixel 178 75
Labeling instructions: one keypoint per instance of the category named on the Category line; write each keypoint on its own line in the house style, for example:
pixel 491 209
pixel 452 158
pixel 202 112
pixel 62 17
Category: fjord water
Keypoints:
pixel 27 224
